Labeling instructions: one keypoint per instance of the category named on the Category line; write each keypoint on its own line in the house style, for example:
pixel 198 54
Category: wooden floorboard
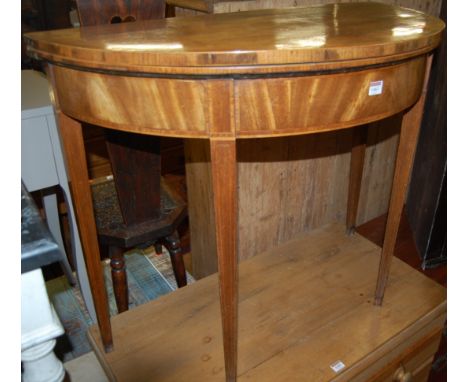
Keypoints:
pixel 303 306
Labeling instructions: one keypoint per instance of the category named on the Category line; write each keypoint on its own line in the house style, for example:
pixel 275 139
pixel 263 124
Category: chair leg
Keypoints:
pixel 158 248
pixel 173 245
pixel 52 215
pixel 119 277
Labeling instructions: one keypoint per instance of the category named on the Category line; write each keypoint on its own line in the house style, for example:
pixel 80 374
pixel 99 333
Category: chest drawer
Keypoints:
pixel 414 364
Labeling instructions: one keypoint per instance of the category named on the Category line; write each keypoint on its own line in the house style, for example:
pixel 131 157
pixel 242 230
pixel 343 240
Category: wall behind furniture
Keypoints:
pixel 427 200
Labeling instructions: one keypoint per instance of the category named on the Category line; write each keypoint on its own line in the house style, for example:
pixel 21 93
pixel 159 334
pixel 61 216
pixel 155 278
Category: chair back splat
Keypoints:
pixel 138 187
pixel 137 208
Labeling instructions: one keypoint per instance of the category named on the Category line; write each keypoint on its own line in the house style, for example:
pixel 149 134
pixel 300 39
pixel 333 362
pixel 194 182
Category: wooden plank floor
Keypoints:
pixel 303 306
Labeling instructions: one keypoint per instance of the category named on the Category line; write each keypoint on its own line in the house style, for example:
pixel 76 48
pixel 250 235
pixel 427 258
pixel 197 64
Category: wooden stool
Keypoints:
pixel 119 237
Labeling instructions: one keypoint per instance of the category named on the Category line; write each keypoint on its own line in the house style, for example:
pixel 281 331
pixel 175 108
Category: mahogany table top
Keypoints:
pixel 325 37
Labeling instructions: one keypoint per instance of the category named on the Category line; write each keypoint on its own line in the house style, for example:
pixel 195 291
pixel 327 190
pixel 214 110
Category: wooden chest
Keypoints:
pixel 304 307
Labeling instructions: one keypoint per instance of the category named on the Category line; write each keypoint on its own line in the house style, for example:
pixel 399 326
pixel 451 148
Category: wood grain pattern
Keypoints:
pixel 254 108
pixel 412 358
pixel 341 39
pixel 263 188
pixel 138 187
pixel 276 200
pixel 406 148
pixel 309 104
pixel 379 164
pixel 274 190
pixel 72 140
pixel 200 207
pixel 358 152
pixel 320 287
pixel 343 35
pixel 224 173
pixel 142 105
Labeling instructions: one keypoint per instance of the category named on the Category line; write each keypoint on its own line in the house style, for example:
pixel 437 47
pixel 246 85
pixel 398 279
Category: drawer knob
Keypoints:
pixel 402 376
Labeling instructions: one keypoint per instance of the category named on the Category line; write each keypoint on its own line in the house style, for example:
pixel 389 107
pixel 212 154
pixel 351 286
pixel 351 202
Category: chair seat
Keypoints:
pixel 113 231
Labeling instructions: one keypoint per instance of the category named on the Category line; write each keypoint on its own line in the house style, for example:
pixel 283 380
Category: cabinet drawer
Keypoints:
pixel 415 361
pixel 411 349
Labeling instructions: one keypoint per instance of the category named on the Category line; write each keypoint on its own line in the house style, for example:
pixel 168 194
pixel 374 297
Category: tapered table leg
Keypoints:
pixel 404 162
pixel 224 175
pixel 358 153
pixel 72 140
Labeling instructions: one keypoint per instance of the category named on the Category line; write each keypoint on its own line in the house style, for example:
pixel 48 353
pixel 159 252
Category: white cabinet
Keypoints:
pixel 43 166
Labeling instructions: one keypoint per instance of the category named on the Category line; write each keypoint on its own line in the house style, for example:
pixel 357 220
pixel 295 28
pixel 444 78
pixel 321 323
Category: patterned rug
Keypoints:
pixel 149 276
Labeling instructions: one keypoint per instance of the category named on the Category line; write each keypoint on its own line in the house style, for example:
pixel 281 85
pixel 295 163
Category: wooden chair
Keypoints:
pixel 136 208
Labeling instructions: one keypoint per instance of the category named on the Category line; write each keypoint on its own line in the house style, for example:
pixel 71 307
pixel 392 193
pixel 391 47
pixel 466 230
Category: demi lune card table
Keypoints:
pixel 256 74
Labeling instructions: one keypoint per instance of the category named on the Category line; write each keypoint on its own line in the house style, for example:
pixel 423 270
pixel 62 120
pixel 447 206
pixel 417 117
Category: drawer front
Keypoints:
pixel 414 364
pixel 410 350
pixel 422 373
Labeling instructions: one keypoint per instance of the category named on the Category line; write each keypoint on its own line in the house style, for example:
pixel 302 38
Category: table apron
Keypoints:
pixel 241 108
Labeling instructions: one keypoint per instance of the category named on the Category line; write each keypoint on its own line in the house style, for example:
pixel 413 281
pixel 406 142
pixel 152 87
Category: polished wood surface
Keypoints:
pixel 270 170
pixel 135 212
pixel 279 106
pixel 119 277
pixel 221 84
pixel 224 173
pixel 406 148
pixel 321 312
pixel 254 108
pixel 317 38
pixel 176 107
pixel 174 246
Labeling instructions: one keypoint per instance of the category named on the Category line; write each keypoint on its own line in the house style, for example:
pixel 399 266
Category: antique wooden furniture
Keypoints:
pixel 270 170
pixel 250 75
pixel 134 208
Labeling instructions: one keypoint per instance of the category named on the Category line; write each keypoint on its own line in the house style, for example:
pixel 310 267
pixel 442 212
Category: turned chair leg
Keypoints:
pixel 119 277
pixel 172 242
pixel 158 248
